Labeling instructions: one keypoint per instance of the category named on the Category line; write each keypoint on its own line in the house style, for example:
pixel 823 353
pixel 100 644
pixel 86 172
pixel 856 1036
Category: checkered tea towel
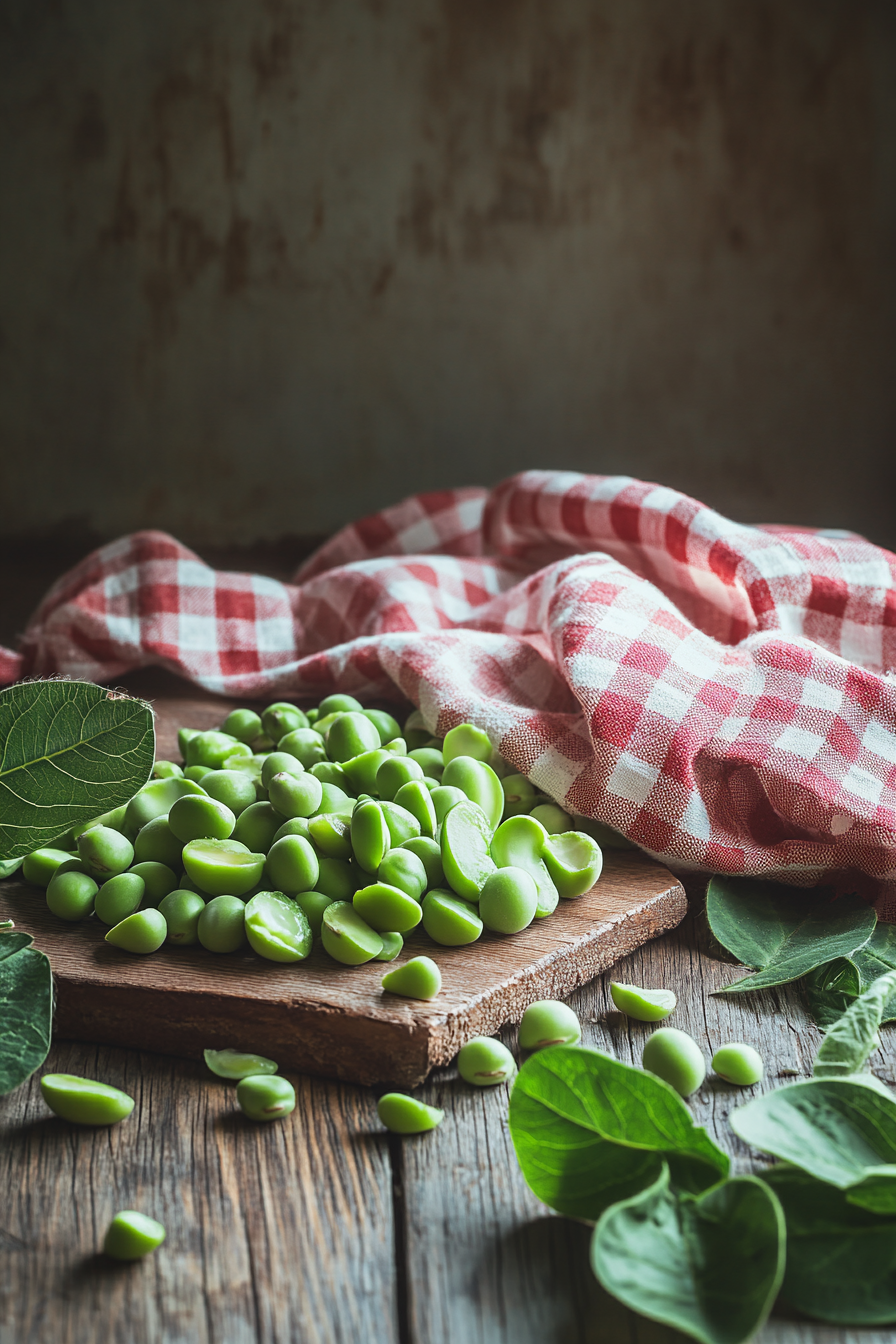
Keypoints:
pixel 724 695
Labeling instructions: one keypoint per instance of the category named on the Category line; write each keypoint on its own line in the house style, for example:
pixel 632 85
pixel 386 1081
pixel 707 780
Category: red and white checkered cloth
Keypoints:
pixel 724 695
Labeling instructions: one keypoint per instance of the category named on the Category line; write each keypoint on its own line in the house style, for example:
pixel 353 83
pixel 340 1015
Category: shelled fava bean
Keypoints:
pixel 333 826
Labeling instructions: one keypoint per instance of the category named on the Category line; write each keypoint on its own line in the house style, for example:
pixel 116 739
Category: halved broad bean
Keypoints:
pixel 182 909
pixel 400 868
pixel 201 819
pixel 430 760
pixel 644 1005
pixel 83 1101
pixel 675 1057
pixel 157 843
pixel 292 865
pixel 402 824
pixel 243 724
pixel 331 835
pixel 419 978
pixel 222 867
pixel 222 924
pixel 415 798
pixel 393 773
pixel 256 827
pixel 282 718
pixel 236 1064
pixel 313 904
pixel 508 900
pixel 479 782
pixel 266 1096
pixel 105 852
pixel 370 836
pixel 387 909
pixel 277 928
pixel 305 744
pixel 466 740
pixel 158 880
pixel 71 895
pixel 119 897
pixel 155 800
pixel 362 770
pixel 444 799
pixel 392 945
pixel 132 1235
pixel 295 795
pixel 573 860
pixel 549 1022
pixel 738 1063
pixel 519 842
pixel 485 1062
pixel 336 879
pixel 449 920
pixel 234 788
pixel 406 1115
pixel 334 800
pixel 465 849
pixel 430 855
pixel 351 735
pixel 279 763
pixel 347 937
pixel 142 933
pixel 40 865
pixel 212 749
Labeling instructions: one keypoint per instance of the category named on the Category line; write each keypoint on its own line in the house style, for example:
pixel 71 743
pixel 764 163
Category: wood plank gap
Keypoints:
pixel 400 1237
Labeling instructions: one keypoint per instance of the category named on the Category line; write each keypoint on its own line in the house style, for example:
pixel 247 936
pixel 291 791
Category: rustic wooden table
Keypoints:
pixel 325 1229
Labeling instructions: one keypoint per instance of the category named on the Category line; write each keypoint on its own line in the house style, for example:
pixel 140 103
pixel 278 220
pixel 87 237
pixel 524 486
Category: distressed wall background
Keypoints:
pixel 267 266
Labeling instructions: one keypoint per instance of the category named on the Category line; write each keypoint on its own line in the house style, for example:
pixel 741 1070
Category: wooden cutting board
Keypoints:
pixel 317 1016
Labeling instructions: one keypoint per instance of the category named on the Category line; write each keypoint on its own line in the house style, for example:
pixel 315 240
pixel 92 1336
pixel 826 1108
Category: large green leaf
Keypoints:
pixel 69 750
pixel 853 1037
pixel 26 1009
pixel 841 1260
pixel 832 988
pixel 588 1131
pixel 782 932
pixel 709 1266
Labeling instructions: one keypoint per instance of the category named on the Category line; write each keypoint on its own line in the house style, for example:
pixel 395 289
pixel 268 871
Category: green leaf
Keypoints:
pixel 9 866
pixel 841 1260
pixel 709 1266
pixel 853 1037
pixel 588 1131
pixel 838 1130
pixel 782 932
pixel 830 989
pixel 68 751
pixel 26 1009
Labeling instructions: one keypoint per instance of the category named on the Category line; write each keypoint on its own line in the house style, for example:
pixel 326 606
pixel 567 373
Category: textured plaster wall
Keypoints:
pixel 266 266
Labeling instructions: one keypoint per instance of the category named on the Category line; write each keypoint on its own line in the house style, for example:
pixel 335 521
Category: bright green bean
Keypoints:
pixel 573 860
pixel 277 928
pixel 201 819
pixel 392 945
pixel 282 718
pixel 234 788
pixel 406 1115
pixel 41 864
pixel 166 770
pixel 222 925
pixel 105 852
pixel 313 904
pixel 548 1022
pixel 675 1057
pixel 739 1064
pixel 158 880
pixel 419 978
pixel 508 901
pixel 236 1064
pixel 222 867
pixel 256 827
pixel 182 910
pixel 370 836
pixel 292 865
pixel 157 843
pixel 430 855
pixel 479 782
pixel 403 869
pixel 143 932
pixel 449 920
pixel 132 1235
pixel 644 1005
pixel 465 849
pixel 305 744
pixel 466 740
pixel 387 909
pixel 266 1096
pixel 347 937
pixel 119 897
pixel 485 1062
pixel 243 724
pixel 71 895
pixel 83 1101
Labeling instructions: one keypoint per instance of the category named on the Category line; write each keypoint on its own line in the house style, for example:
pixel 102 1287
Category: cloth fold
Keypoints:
pixel 724 695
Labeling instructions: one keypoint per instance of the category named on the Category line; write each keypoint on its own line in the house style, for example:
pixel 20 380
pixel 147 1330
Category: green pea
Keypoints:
pixel 40 865
pixel 430 760
pixel 392 945
pixel 449 920
pixel 243 724
pixel 400 868
pixel 362 770
pixel 265 1096
pixel 83 1101
pixel 196 773
pixel 222 867
pixel 305 744
pixel 143 932
pixel 119 897
pixel 155 800
pixel 508 901
pixel 331 835
pixel 277 928
pixel 158 880
pixel 237 1064
pixel 157 843
pixel 485 1062
pixel 416 799
pixel 479 782
pixel 328 772
pixel 279 763
pixel 644 1005
pixel 71 895
pixel 548 1022
pixel 313 904
pixel 105 852
pixel 132 1235
pixel 351 735
pixel 222 925
pixel 387 909
pixel 336 879
pixel 256 827
pixel 334 800
pixel 201 819
pixel 675 1057
pixel 465 849
pixel 419 978
pixel 166 770
pixel 553 818
pixel 234 788
pixel 430 855
pixel 466 740
pixel 295 826
pixel 347 937
pixel 182 910
pixel 370 836
pixel 519 842
pixel 573 861
pixel 212 749
pixel 738 1063
pixel 394 772
pixel 406 1115
pixel 282 718
pixel 292 865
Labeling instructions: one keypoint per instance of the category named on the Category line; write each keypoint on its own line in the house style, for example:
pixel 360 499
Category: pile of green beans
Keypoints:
pixel 334 825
